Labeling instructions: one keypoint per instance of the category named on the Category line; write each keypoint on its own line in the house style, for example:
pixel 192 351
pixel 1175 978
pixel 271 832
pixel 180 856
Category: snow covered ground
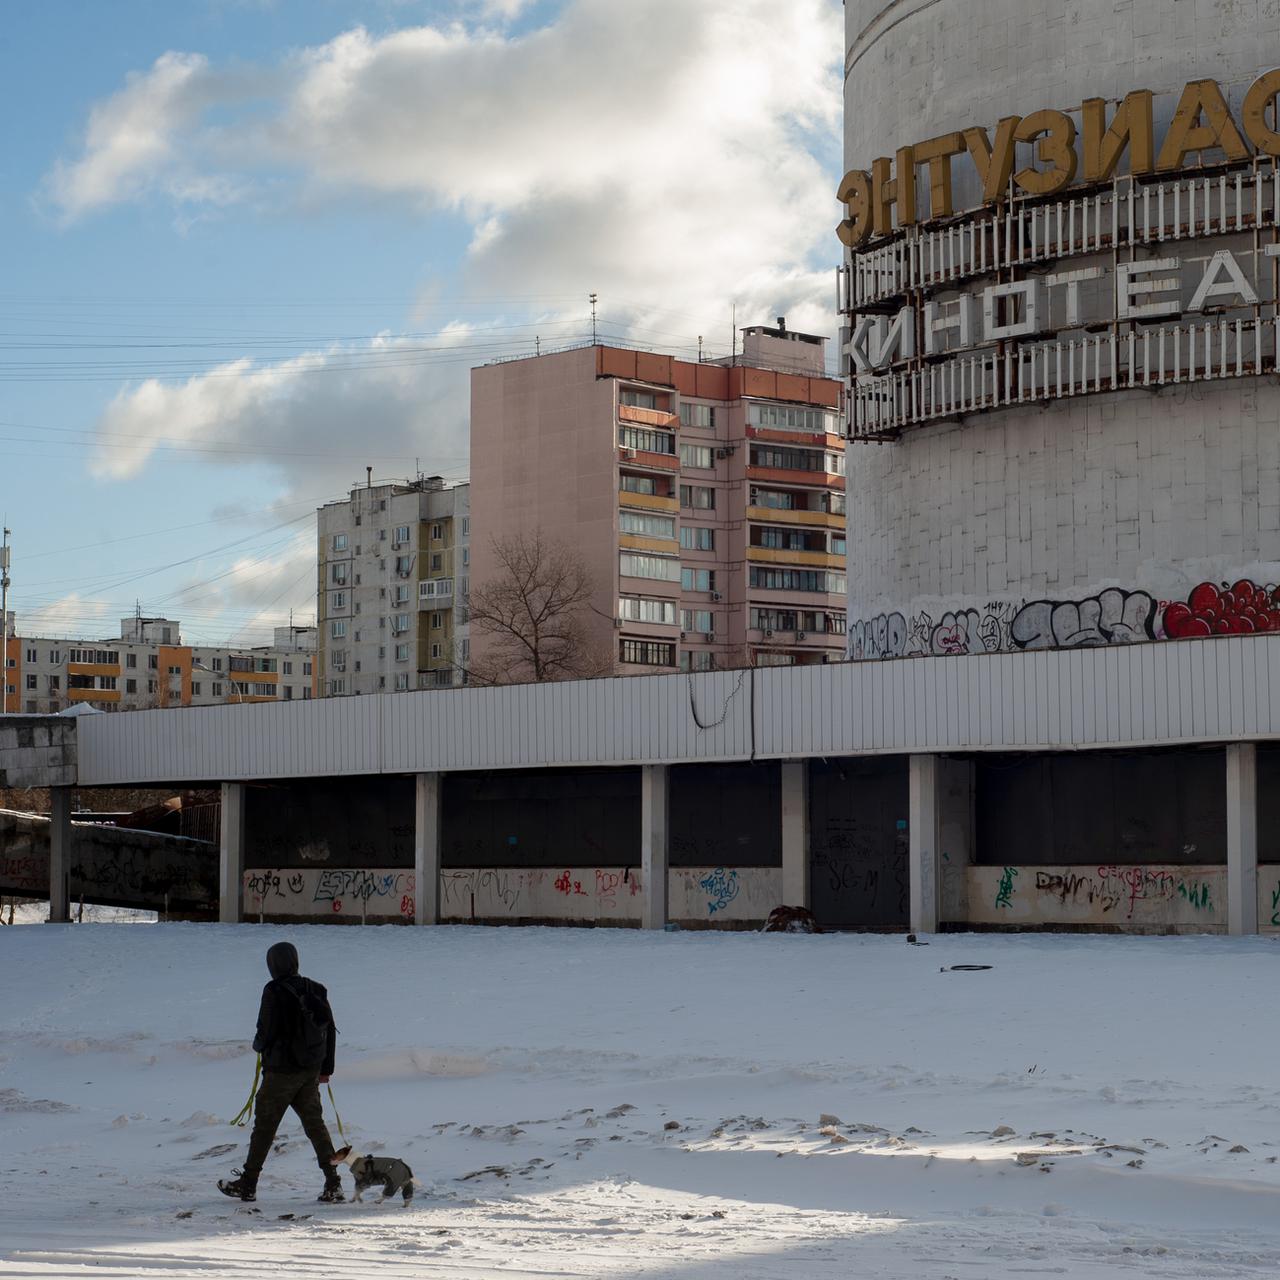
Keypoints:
pixel 610 1103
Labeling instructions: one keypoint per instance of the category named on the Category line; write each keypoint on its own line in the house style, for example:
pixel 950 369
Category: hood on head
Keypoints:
pixel 282 960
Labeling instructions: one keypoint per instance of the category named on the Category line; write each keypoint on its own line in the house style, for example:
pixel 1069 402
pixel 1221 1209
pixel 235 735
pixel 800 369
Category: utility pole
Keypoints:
pixel 592 299
pixel 4 624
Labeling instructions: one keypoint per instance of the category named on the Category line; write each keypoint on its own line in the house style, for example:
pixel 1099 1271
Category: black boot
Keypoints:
pixel 243 1187
pixel 332 1193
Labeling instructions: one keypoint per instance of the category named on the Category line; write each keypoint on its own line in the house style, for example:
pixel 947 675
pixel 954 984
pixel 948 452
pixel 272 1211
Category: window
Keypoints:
pixel 242 664
pixel 782 417
pixel 694 539
pixel 153 662
pixel 131 660
pixel 697 660
pixel 175 671
pixel 288 693
pixel 32 682
pixel 663 568
pixel 217 664
pixel 647 441
pixel 401 535
pixel 638 399
pixel 55 683
pixel 649 653
pixel 103 657
pixel 306 693
pixel 466 556
pixel 217 689
pixel 402 653
pixel 466 526
pixel 698 497
pixel 435 651
pixel 782 459
pixel 697 620
pixel 435 589
pixel 776 499
pixel 401 594
pixel 337 686
pixel 131 686
pixel 782 539
pixel 835 503
pixel 837 544
pixel 33 655
pixel 437 621
pixel 642 609
pixel 646 525
pixel 404 566
pixel 771 579
pixel 55 657
pixel 436 533
pixel 638 484
pixel 337 629
pixel 402 681
pixel 339 541
pixel 400 622
pixel 437 562
pixel 288 668
pixel 697 455
pixel 697 415
pixel 306 668
pixel 338 574
pixel 338 600
pixel 443 678
pixel 195 689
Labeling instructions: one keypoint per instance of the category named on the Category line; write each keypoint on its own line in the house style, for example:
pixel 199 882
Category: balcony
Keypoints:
pixel 642 458
pixel 648 417
pixel 651 501
pixel 778 515
pixel 806 479
pixel 641 542
pixel 93 695
pixel 786 555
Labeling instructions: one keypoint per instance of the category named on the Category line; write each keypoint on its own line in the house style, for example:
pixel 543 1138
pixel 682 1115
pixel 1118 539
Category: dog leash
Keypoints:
pixel 243 1118
pixel 336 1116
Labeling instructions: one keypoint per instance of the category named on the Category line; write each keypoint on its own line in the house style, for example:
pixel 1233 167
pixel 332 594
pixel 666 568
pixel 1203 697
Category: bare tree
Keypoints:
pixel 534 612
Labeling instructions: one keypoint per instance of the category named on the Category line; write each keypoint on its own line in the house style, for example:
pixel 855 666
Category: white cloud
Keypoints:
pixel 72 615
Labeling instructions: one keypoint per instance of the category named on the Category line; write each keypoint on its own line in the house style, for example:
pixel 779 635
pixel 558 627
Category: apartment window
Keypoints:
pixel 175 671
pixel 697 415
pixel 217 689
pixel 790 418
pixel 33 655
pixel 401 535
pixel 401 594
pixel 216 664
pixel 338 600
pixel 697 455
pixel 466 526
pixel 382 504
pixel 306 693
pixel 153 662
pixel 402 653
pixel 338 574
pixel 437 621
pixel 131 660
pixel 131 686
pixel 697 620
pixel 697 660
pixel 443 678
pixel 647 441
pixel 638 399
pixel 435 589
pixel 357 637
pixel 55 683
pixel 288 693
pixel 466 556
pixel 337 629
pixel 698 579
pixel 697 497
pixel 32 682
pixel 782 539
pixel 781 459
pixel 649 653
pixel 382 535
pixel 306 668
pixel 337 686
pixel 402 681
pixel 400 622
pixel 642 609
pixel 195 689
pixel 837 544
pixel 264 691
pixel 648 526
pixel 776 579
pixel 437 562
pixel 693 538
pixel 776 499
pixel 288 668
pixel 404 565
pixel 835 503
pixel 339 541
pixel 638 484
pixel 55 657
pixel 435 651
pixel 662 568
pixel 436 533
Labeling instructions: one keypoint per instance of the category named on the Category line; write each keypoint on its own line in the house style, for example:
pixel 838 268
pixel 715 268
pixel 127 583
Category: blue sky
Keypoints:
pixel 254 247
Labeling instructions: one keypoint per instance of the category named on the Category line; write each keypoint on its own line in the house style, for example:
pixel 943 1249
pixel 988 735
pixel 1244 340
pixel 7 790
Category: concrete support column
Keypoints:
pixel 427 831
pixel 655 834
pixel 1242 838
pixel 924 817
pixel 795 833
pixel 231 860
pixel 59 852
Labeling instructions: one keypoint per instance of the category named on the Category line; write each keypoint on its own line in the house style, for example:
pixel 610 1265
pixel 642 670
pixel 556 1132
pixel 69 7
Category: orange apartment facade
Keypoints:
pixel 706 499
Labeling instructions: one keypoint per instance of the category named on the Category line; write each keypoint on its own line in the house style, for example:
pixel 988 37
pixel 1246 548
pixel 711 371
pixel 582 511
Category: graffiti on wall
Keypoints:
pixel 1113 616
pixel 312 891
pixel 721 887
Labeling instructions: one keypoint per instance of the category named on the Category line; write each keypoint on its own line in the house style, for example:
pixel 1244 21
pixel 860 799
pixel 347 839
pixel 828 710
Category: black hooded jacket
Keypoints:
pixel 280 1011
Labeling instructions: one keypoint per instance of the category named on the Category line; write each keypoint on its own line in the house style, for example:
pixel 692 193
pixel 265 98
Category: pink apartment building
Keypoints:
pixel 707 499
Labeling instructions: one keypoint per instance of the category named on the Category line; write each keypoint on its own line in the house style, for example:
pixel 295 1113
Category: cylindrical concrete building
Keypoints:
pixel 1060 300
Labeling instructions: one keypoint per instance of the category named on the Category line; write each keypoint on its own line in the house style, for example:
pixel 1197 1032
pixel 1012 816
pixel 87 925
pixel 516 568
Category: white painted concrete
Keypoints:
pixel 655 839
pixel 428 827
pixel 795 833
pixel 1242 838
pixel 59 852
pixel 925 825
pixel 231 854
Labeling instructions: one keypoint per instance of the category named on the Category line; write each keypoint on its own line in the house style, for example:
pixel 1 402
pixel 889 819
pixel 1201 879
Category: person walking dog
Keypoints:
pixel 296 1039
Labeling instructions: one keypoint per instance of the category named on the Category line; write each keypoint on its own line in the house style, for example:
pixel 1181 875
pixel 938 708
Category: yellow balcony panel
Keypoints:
pixel 93 668
pixel 648 501
pixel 775 515
pixel 648 417
pixel 638 542
pixel 94 695
pixel 781 555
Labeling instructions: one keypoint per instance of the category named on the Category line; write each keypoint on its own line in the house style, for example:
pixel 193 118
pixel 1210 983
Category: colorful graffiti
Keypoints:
pixel 1004 893
pixel 721 888
pixel 1112 616
pixel 382 892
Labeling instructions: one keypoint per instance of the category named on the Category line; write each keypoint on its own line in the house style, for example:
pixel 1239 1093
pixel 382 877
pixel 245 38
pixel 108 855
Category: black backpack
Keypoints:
pixel 308 1035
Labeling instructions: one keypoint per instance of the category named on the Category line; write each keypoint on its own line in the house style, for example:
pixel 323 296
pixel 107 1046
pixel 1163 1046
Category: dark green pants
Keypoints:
pixel 280 1091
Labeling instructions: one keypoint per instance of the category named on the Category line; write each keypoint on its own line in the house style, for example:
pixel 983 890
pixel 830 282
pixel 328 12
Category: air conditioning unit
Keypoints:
pixel 768 635
pixel 755 493
pixel 722 453
pixel 338 666
pixel 682 635
pixel 617 622
pixel 628 453
pixel 800 635
pixel 715 595
pixel 710 637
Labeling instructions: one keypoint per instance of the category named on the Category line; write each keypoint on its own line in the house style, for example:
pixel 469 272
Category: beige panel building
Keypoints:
pixel 393 581
pixel 706 499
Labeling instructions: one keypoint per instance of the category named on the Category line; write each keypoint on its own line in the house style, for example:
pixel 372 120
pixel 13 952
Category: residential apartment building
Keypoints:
pixel 706 499
pixel 147 666
pixel 392 590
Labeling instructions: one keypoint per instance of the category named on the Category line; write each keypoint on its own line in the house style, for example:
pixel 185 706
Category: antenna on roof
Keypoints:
pixel 592 299
pixel 733 329
pixel 699 348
